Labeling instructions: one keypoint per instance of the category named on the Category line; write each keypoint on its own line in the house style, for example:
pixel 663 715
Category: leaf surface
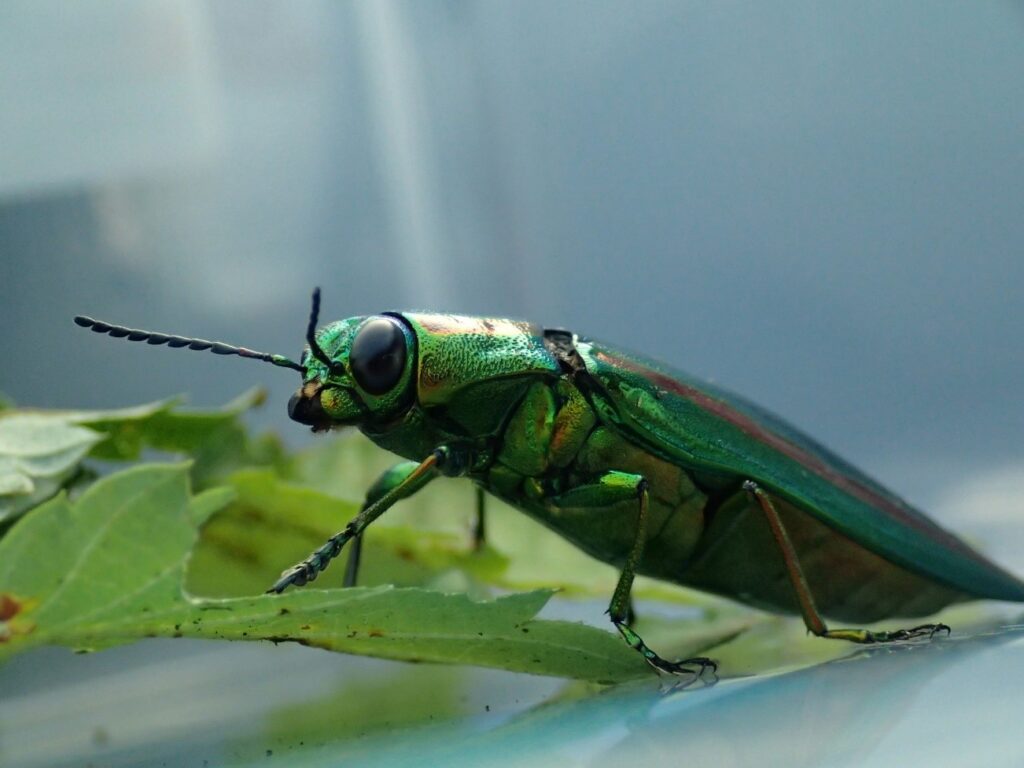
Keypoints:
pixel 108 569
pixel 37 454
pixel 41 450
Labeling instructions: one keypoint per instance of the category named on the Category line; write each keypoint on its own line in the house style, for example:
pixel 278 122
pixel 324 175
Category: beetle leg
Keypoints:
pixel 630 612
pixel 808 609
pixel 355 555
pixel 410 482
pixel 867 637
pixel 612 488
pixel 479 530
pixel 812 619
pixel 390 479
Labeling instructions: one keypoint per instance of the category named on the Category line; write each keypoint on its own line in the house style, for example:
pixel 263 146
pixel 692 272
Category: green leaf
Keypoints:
pixel 205 504
pixel 270 525
pixel 32 437
pixel 214 438
pixel 41 450
pixel 37 454
pixel 108 569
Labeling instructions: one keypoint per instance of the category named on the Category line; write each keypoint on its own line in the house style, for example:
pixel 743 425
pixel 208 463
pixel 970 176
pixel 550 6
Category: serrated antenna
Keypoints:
pixel 198 345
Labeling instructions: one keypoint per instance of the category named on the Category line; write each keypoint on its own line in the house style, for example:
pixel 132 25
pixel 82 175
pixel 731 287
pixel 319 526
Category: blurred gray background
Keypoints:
pixel 816 205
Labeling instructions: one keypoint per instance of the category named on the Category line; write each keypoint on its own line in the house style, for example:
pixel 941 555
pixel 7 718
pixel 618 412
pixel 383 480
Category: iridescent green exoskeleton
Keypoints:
pixel 640 466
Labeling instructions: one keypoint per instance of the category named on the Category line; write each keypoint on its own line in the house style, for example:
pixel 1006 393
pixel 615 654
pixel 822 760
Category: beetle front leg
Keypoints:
pixel 389 480
pixel 812 619
pixel 613 488
pixel 410 482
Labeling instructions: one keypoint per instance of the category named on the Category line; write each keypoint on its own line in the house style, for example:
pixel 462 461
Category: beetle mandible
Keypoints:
pixel 638 465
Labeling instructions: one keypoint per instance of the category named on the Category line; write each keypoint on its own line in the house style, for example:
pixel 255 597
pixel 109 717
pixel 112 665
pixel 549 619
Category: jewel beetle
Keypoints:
pixel 639 465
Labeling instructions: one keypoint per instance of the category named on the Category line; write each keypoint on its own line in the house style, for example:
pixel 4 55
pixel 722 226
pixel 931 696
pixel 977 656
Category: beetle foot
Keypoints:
pixel 693 668
pixel 915 633
pixel 298 576
pixel 301 574
pixel 866 637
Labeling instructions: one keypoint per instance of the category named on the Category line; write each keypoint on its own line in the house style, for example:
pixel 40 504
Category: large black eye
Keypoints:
pixel 377 358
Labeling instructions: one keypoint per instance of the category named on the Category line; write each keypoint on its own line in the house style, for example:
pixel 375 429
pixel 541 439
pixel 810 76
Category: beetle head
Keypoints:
pixel 356 371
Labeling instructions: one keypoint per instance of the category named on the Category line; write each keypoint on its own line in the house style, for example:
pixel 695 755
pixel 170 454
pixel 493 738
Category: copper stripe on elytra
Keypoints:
pixel 792 451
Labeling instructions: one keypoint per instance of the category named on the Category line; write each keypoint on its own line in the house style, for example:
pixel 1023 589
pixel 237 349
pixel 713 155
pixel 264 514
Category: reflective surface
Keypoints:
pixel 954 702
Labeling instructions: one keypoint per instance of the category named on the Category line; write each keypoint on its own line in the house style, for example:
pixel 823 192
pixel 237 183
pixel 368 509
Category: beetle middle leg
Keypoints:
pixel 610 489
pixel 812 619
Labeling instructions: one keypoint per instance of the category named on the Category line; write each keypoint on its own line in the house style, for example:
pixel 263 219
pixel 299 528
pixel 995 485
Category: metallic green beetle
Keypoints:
pixel 640 466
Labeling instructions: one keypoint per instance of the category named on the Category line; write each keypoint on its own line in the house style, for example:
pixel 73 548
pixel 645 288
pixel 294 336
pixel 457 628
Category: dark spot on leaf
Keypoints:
pixel 487 707
pixel 353 633
pixel 283 612
pixel 177 627
pixel 525 630
pixel 376 633
pixel 275 639
pixel 10 607
pixel 405 553
pixel 305 626
pixel 270 752
pixel 177 634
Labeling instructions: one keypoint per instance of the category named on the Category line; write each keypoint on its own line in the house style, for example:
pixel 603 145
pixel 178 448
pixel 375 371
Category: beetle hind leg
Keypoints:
pixel 867 637
pixel 812 619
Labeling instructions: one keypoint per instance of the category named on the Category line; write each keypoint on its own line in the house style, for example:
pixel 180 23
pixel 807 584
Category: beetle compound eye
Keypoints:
pixel 377 358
